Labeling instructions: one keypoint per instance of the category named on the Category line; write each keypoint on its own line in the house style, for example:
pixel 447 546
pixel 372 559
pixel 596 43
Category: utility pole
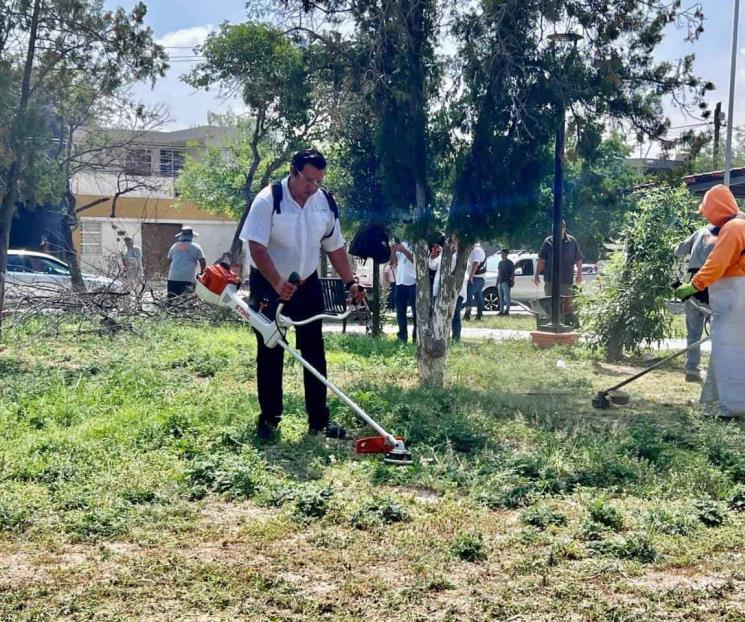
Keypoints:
pixel 731 103
pixel 717 126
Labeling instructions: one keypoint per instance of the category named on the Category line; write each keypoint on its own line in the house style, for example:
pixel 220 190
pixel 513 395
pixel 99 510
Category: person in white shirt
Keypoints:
pixel 287 225
pixel 402 257
pixel 435 264
pixel 475 276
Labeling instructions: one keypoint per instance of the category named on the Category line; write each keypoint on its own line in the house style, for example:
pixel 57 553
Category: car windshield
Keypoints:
pixel 492 263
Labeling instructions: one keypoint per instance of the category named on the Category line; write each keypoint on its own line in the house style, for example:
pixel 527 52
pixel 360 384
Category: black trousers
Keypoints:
pixel 178 288
pixel 306 302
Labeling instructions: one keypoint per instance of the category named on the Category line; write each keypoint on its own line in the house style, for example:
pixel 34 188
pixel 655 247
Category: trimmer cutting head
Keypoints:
pixel 601 401
pixel 394 454
pixel 398 457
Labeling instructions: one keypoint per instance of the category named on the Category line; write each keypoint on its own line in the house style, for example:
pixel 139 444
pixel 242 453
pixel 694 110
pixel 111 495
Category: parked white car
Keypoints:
pixel 525 288
pixel 32 273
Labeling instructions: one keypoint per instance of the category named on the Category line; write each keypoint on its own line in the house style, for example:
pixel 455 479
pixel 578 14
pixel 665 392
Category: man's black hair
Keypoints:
pixel 308 156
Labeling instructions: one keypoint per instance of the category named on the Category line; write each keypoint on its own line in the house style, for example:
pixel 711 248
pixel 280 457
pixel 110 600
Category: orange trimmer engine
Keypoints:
pixel 217 277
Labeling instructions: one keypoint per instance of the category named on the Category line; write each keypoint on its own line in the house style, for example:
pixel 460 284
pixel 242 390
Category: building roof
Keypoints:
pixel 701 182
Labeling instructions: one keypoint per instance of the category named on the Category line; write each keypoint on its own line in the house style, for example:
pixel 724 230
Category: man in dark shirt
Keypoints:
pixel 505 282
pixel 571 257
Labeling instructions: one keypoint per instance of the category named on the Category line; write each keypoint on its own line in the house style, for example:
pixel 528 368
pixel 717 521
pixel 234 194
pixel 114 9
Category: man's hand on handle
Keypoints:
pixel 284 288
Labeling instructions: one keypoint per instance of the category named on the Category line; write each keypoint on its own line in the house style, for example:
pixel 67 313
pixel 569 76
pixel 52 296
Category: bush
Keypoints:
pixel 542 517
pixel 710 513
pixel 628 311
pixel 603 513
pixel 469 547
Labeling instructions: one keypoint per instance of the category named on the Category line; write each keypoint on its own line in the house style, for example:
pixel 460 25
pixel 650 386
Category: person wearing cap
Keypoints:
pixel 505 281
pixel 696 247
pixel 132 263
pixel 723 273
pixel 285 234
pixel 186 257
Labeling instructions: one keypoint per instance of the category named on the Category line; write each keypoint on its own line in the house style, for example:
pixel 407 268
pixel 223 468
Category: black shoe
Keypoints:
pixel 332 430
pixel 506 313
pixel 266 431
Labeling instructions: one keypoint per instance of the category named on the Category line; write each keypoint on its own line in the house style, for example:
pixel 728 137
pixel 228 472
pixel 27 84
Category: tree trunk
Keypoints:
pixel 69 255
pixel 8 206
pixel 377 326
pixel 435 316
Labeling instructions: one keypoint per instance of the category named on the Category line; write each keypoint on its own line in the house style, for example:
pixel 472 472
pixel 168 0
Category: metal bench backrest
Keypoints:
pixel 334 296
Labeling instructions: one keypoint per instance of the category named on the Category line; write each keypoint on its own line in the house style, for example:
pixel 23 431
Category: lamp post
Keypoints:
pixel 556 326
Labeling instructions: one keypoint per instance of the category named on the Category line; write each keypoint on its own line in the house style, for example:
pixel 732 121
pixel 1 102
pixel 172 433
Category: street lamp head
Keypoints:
pixel 565 37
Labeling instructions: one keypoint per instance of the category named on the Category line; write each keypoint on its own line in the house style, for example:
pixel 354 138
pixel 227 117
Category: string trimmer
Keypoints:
pixel 218 285
pixel 604 398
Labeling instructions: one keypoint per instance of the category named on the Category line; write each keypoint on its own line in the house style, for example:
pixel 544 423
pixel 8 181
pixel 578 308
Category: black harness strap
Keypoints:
pixel 277 199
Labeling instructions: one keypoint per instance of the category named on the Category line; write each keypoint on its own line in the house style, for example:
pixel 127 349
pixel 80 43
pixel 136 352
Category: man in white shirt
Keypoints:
pixel 402 257
pixel 287 225
pixel 475 276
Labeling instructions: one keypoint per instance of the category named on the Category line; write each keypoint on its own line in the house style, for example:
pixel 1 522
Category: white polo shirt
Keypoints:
pixel 293 237
pixel 405 269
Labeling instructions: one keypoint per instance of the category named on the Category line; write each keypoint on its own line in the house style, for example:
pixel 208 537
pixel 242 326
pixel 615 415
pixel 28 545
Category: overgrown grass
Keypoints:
pixel 131 461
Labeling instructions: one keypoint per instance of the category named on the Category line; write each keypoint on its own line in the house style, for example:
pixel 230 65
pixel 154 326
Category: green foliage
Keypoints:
pixel 469 547
pixel 216 180
pixel 627 310
pixel 710 513
pixel 605 514
pixel 312 503
pixel 671 521
pixel 379 511
pixel 542 517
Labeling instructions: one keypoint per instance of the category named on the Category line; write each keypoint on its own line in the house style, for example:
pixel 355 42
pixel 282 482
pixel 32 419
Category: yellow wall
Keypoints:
pixel 145 209
pixel 140 209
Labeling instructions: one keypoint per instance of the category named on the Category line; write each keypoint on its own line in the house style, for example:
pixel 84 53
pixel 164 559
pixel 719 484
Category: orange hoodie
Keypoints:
pixel 726 259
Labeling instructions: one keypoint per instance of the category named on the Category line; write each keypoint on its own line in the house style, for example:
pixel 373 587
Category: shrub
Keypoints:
pixel 542 517
pixel 312 504
pixel 628 310
pixel 469 547
pixel 671 522
pixel 379 511
pixel 710 513
pixel 737 500
pixel 603 513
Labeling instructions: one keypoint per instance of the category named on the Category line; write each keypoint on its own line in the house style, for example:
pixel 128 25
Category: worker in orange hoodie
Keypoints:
pixel 724 274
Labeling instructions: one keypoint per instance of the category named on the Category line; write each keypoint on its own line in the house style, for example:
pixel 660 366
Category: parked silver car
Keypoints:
pixel 32 273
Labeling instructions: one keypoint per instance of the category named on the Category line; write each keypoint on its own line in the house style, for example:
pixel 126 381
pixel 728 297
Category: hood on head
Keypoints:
pixel 718 205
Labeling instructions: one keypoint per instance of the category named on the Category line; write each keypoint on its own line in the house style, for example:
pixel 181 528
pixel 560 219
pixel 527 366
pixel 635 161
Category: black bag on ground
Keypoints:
pixel 371 242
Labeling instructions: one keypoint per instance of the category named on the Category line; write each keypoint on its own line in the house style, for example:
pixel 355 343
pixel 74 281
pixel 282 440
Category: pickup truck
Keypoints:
pixel 525 288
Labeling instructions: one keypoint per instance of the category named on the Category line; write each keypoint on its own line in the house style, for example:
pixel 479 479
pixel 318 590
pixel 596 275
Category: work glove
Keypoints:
pixel 685 291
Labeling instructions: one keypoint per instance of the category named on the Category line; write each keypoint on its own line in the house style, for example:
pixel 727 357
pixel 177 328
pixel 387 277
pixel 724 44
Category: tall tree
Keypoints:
pixel 288 85
pixel 508 84
pixel 46 46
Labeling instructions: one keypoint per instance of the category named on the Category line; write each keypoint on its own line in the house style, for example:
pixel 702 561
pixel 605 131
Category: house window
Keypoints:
pixel 91 237
pixel 138 162
pixel 171 162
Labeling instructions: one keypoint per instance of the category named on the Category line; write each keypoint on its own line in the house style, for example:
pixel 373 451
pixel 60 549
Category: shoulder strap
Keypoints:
pixel 334 210
pixel 277 197
pixel 332 202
